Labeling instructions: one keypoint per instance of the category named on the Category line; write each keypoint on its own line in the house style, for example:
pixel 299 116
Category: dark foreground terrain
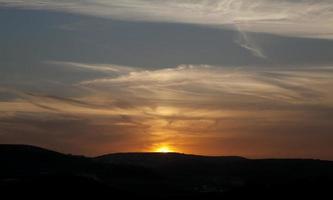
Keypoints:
pixel 28 171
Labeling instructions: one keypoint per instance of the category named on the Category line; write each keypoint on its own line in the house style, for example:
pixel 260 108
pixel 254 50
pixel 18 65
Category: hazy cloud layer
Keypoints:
pixel 300 18
pixel 295 85
pixel 236 110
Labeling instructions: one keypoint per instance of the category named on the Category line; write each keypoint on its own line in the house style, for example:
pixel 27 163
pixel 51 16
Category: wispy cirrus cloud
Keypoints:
pixel 97 67
pixel 183 106
pixel 294 85
pixel 247 43
pixel 302 18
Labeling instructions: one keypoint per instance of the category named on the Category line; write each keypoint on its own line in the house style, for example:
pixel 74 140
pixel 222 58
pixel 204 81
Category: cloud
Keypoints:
pixel 77 135
pixel 189 92
pixel 244 41
pixel 209 109
pixel 302 18
pixel 202 81
pixel 97 67
pixel 35 102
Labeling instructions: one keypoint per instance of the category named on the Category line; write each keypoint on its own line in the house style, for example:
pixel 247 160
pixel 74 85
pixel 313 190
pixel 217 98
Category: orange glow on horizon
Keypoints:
pixel 163 149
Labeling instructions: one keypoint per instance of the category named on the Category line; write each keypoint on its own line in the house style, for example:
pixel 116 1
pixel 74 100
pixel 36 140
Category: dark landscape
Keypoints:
pixel 36 172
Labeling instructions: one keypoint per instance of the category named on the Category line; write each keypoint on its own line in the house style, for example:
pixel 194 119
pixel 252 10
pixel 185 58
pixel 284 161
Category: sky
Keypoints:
pixel 251 78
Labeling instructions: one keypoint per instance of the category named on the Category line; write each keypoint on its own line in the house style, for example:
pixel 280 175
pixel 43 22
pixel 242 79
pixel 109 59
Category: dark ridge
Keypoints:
pixel 170 154
pixel 31 153
pixel 32 170
pixel 164 159
pixel 27 154
pixel 27 160
pixel 26 150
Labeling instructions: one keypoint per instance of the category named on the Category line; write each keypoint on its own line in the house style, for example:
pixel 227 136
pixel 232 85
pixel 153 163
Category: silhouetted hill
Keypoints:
pixel 33 170
pixel 27 153
pixel 24 160
pixel 164 159
pixel 223 166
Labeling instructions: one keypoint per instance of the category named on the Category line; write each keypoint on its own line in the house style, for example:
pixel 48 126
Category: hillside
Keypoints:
pixel 160 175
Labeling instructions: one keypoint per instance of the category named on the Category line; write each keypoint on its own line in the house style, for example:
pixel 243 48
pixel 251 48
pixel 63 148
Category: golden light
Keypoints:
pixel 163 149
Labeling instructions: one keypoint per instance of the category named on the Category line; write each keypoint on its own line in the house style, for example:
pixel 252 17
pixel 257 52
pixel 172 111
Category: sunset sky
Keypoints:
pixel 251 78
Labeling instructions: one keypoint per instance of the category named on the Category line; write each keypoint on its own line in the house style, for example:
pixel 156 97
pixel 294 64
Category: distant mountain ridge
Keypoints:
pixel 161 175
pixel 20 148
pixel 27 149
pixel 153 159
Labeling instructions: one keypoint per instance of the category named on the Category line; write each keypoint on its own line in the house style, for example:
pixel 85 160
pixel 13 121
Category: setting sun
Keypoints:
pixel 163 149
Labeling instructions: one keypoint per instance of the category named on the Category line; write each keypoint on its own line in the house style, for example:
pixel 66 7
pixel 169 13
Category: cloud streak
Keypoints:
pixel 303 18
pixel 244 41
pixel 290 85
pixel 99 67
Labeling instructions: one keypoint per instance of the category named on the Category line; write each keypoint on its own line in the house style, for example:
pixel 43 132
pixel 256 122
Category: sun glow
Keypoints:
pixel 163 149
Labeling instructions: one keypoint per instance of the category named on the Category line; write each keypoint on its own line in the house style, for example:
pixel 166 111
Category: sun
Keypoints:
pixel 163 149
